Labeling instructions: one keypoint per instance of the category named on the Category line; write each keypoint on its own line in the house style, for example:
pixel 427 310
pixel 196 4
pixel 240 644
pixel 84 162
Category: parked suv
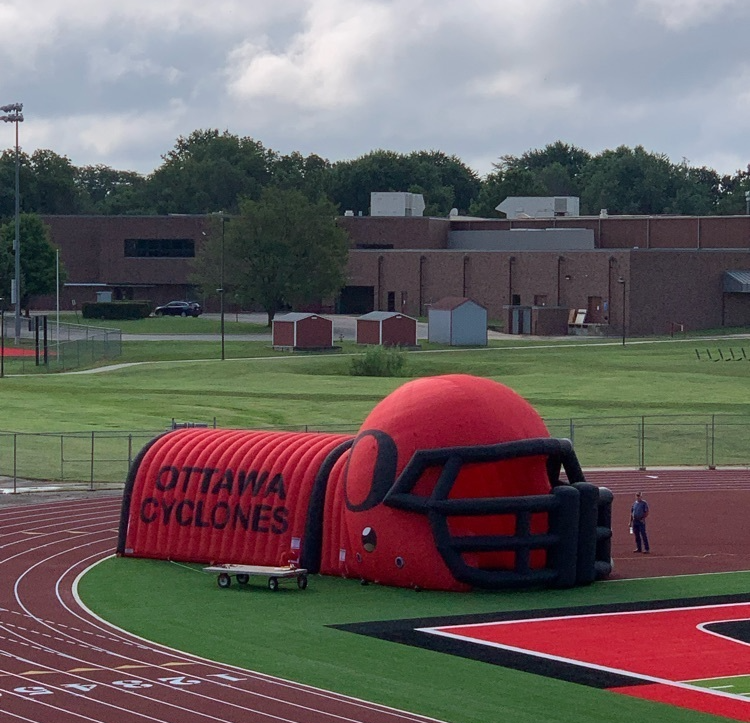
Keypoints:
pixel 179 308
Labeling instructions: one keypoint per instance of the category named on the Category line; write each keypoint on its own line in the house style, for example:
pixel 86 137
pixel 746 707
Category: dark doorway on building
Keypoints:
pixel 595 310
pixel 357 300
pixel 391 301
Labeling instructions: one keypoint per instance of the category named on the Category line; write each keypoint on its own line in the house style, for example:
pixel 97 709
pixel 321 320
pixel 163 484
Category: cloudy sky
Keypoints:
pixel 117 83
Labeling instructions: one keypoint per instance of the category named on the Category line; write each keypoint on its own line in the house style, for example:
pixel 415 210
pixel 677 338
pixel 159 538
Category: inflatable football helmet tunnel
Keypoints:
pixel 452 482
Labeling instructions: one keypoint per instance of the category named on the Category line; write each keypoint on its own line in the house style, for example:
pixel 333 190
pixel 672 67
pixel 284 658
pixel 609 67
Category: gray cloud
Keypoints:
pixel 480 78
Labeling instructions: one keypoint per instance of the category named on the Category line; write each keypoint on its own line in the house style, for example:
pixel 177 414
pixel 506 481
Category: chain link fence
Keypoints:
pixel 100 460
pixel 44 345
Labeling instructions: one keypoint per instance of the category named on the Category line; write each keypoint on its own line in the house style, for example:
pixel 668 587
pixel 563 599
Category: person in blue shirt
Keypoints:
pixel 638 515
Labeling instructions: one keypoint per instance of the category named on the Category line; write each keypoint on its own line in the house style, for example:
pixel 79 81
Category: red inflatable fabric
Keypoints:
pixel 398 547
pixel 452 482
pixel 211 495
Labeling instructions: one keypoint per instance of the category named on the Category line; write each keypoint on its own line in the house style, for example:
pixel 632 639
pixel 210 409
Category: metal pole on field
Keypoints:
pixel 621 281
pixel 221 283
pixel 14 115
pixel 57 318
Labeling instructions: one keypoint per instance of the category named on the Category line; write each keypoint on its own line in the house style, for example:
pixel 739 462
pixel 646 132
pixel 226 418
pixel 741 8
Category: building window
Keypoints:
pixel 540 299
pixel 163 248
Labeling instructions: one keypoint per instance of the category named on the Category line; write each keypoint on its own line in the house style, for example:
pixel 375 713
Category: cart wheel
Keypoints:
pixel 224 580
pixel 273 584
pixel 302 581
pixel 242 578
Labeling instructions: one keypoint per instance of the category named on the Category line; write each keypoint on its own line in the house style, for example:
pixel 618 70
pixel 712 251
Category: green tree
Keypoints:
pixel 107 191
pixel 282 250
pixel 310 174
pixel 52 187
pixel 210 171
pixel 37 263
pixel 629 181
pixel 8 182
pixel 732 200
pixel 444 181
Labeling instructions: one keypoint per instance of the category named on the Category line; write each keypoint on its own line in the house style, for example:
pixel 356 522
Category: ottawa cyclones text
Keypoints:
pixel 250 499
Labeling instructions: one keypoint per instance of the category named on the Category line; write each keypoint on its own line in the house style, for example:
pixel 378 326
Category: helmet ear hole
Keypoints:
pixel 399 562
pixel 369 539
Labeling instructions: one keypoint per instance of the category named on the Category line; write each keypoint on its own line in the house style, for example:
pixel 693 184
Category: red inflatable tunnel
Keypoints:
pixel 452 482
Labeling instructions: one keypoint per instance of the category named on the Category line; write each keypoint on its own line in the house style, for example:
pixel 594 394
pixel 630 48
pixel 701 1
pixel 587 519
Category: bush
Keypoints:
pixel 378 361
pixel 116 309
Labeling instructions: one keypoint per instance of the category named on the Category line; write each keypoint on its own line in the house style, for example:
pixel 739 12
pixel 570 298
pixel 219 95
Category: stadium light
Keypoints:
pixel 13 115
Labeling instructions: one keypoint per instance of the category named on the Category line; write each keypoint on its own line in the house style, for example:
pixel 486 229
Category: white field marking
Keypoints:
pixel 669 577
pixel 59 534
pixel 323 694
pixel 578 663
pixel 701 627
pixel 156 684
pixel 249 674
pixel 61 525
pixel 67 691
pixel 404 715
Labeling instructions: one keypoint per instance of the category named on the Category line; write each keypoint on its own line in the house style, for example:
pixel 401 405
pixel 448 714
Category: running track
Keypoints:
pixel 59 663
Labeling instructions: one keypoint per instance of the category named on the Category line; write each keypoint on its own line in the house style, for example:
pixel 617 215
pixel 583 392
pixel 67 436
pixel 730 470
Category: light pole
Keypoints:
pixel 221 284
pixel 13 115
pixel 621 281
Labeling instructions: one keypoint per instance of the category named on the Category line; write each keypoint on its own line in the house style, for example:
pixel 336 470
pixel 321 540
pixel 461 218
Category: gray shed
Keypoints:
pixel 457 321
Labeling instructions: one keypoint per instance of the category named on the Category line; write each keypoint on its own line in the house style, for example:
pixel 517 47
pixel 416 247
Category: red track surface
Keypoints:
pixel 16 351
pixel 59 663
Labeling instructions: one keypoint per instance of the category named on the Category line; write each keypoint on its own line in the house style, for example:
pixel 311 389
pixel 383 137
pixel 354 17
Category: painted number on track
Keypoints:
pixel 175 680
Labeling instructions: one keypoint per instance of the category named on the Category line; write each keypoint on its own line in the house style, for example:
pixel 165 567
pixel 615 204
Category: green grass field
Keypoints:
pixel 561 380
pixel 288 633
pixel 612 400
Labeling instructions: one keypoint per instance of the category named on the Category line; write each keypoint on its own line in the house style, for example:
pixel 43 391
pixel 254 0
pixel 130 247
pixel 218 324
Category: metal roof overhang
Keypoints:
pixel 737 282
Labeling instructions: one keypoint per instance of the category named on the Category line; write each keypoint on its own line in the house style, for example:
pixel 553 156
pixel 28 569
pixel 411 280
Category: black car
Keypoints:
pixel 179 308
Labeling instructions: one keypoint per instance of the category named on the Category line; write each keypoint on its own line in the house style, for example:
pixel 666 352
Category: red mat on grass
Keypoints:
pixel 667 647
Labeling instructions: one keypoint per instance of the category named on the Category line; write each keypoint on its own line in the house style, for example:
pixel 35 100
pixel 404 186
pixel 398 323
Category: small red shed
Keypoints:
pixel 302 331
pixel 388 328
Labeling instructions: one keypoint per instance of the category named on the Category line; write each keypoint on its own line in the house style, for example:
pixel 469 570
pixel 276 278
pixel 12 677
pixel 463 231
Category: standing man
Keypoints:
pixel 638 515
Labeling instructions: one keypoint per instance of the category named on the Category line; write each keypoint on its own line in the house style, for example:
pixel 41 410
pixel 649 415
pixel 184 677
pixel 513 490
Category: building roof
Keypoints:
pixel 449 303
pixel 382 315
pixel 737 282
pixel 296 316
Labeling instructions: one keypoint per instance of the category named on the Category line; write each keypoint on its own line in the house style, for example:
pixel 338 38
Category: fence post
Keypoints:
pixel 712 464
pixel 572 432
pixel 130 451
pixel 62 458
pixel 15 463
pixel 642 461
pixel 91 487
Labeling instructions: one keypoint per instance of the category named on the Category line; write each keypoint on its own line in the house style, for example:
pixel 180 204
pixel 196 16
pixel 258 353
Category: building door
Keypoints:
pixel 357 300
pixel 595 310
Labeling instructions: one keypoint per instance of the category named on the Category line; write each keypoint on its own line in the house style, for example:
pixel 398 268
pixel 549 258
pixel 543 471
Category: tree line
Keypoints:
pixel 211 171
